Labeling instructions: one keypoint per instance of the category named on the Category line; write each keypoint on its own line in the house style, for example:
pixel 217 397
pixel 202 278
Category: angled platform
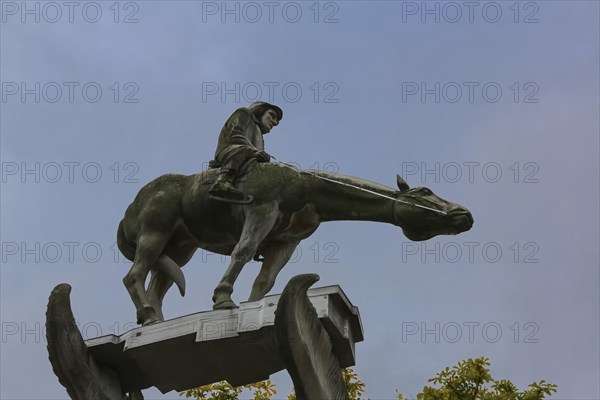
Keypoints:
pixel 236 345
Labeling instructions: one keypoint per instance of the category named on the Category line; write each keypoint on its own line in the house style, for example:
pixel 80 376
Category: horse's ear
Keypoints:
pixel 402 185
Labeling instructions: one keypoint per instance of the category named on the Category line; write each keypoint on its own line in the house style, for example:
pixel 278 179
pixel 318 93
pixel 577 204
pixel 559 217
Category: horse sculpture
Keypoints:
pixel 172 216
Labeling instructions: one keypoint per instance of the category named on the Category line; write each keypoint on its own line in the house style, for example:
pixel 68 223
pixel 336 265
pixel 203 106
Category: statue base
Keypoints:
pixel 237 345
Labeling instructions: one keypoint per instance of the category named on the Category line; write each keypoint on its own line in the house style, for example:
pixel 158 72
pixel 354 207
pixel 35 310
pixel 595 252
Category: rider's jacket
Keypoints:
pixel 240 134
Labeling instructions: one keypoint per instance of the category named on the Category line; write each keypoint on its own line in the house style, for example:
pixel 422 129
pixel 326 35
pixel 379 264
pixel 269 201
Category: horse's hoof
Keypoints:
pixel 146 315
pixel 224 305
pixel 151 321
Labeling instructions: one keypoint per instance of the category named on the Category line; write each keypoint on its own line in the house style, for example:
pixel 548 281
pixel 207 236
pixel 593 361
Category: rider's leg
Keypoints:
pixel 231 164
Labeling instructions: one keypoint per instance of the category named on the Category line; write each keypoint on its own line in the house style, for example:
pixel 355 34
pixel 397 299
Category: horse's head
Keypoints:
pixel 422 215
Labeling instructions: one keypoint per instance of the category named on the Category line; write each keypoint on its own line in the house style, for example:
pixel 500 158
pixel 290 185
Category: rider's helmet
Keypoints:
pixel 258 108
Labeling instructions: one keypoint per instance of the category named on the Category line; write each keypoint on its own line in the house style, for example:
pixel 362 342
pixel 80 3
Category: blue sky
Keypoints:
pixel 493 107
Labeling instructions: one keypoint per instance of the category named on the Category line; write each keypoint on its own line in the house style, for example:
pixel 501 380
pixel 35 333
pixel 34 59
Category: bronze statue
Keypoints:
pixel 240 141
pixel 174 215
pixel 246 207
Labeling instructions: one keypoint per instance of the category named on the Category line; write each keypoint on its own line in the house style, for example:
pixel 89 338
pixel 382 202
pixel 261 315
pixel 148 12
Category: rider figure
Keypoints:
pixel 239 141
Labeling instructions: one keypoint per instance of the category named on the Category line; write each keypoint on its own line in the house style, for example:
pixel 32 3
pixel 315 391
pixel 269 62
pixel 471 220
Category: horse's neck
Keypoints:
pixel 341 197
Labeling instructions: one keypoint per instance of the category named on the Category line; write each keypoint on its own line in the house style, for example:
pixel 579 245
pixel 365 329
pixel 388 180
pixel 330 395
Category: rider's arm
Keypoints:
pixel 238 128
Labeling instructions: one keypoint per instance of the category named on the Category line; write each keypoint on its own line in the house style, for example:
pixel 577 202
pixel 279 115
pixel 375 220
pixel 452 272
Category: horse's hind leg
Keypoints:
pixel 149 248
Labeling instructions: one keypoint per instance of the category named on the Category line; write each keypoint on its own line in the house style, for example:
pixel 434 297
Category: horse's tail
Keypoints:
pixel 125 246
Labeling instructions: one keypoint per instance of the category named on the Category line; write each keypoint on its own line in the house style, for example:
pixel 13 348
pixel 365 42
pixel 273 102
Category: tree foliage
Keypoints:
pixel 354 386
pixel 468 380
pixel 264 390
pixel 471 380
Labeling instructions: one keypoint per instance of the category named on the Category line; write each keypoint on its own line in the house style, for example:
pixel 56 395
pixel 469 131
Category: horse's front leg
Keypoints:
pixel 276 257
pixel 257 225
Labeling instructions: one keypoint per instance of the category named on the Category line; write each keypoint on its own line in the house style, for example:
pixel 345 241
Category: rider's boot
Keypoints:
pixel 224 190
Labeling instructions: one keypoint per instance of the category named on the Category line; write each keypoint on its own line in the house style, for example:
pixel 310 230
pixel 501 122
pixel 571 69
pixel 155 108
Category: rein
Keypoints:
pixel 359 188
